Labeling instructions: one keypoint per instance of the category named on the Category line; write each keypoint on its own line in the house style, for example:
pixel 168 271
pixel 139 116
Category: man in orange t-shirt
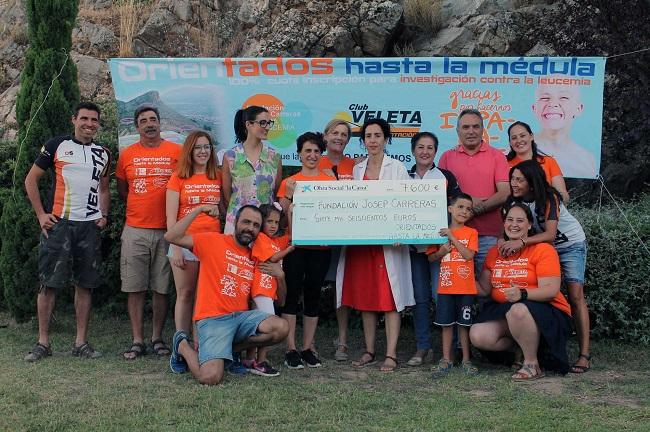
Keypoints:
pixel 143 170
pixel 223 320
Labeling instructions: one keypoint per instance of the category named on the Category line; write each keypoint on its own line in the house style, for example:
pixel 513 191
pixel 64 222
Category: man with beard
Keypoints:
pixel 143 170
pixel 222 317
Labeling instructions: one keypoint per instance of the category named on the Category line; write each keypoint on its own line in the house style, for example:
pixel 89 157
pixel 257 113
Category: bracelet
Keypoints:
pixel 523 242
pixel 524 294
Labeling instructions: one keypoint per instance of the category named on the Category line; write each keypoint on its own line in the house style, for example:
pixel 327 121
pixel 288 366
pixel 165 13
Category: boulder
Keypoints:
pixel 8 130
pixel 94 39
pixel 93 76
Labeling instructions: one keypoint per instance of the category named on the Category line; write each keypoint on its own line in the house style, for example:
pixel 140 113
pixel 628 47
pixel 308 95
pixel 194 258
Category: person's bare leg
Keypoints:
pixel 463 335
pixel 491 336
pixel 581 319
pixel 342 319
pixel 309 325
pixel 135 305
pixel 393 322
pixel 262 354
pixel 160 303
pixel 82 305
pixel 209 373
pixel 44 307
pixel 291 338
pixel 185 282
pixel 369 320
pixel 447 337
pixel 524 331
pixel 271 331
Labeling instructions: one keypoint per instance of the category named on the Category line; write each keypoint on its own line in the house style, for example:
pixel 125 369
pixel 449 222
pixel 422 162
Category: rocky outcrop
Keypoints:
pixel 310 28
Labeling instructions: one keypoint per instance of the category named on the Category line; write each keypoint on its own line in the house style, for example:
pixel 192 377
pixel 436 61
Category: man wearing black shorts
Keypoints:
pixel 77 210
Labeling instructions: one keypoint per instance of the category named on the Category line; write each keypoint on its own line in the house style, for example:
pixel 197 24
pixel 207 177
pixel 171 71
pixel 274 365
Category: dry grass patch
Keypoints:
pixel 105 16
pixel 404 50
pixel 132 15
pixel 426 14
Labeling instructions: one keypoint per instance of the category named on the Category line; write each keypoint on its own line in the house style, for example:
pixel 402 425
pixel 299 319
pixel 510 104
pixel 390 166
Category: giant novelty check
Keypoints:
pixel 369 212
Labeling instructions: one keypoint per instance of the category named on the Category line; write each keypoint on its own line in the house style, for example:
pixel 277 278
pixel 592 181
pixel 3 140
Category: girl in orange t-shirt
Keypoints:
pixel 197 181
pixel 523 147
pixel 268 247
pixel 527 308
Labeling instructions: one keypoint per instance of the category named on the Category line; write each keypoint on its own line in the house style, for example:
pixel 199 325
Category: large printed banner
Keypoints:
pixel 561 98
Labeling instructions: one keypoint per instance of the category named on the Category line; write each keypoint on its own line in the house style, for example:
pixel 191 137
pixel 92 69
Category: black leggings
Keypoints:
pixel 305 271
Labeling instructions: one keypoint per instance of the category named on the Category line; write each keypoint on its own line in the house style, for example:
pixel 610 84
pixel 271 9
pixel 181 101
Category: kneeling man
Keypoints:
pixel 223 320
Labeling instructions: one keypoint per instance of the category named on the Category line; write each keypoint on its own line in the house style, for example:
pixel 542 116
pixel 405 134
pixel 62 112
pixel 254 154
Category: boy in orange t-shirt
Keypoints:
pixel 456 286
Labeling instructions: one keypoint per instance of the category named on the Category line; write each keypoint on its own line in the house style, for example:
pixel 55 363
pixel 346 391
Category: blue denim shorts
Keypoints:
pixel 454 309
pixel 217 335
pixel 187 254
pixel 573 260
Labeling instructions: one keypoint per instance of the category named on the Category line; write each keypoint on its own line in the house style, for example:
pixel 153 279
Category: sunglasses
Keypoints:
pixel 264 123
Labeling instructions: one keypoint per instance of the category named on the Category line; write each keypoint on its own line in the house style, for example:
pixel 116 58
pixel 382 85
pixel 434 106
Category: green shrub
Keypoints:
pixel 7 164
pixel 618 267
pixel 48 93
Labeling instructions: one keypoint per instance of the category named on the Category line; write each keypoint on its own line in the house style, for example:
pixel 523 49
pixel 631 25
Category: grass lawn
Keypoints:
pixel 65 393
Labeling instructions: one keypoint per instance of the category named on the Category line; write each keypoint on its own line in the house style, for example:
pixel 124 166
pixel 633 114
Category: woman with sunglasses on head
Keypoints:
pixel 251 170
pixel 523 147
pixel 376 279
pixel 555 225
pixel 197 181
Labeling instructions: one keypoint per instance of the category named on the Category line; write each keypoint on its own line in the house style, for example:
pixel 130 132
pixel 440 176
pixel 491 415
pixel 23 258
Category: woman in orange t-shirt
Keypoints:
pixel 527 308
pixel 305 268
pixel 197 181
pixel 523 147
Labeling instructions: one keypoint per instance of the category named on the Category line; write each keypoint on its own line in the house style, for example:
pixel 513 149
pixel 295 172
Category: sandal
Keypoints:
pixel 469 368
pixel 138 349
pixel 528 372
pixel 386 368
pixel 37 353
pixel 341 353
pixel 577 369
pixel 160 348
pixel 85 351
pixel 366 359
pixel 416 360
pixel 443 367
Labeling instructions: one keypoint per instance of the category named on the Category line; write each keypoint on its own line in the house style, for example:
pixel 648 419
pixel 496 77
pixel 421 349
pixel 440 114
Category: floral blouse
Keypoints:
pixel 251 184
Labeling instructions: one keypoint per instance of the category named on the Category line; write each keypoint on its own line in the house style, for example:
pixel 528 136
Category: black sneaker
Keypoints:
pixel 292 360
pixel 309 357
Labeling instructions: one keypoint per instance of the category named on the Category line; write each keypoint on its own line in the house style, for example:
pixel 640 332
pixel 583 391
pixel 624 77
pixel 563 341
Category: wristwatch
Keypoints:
pixel 524 294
